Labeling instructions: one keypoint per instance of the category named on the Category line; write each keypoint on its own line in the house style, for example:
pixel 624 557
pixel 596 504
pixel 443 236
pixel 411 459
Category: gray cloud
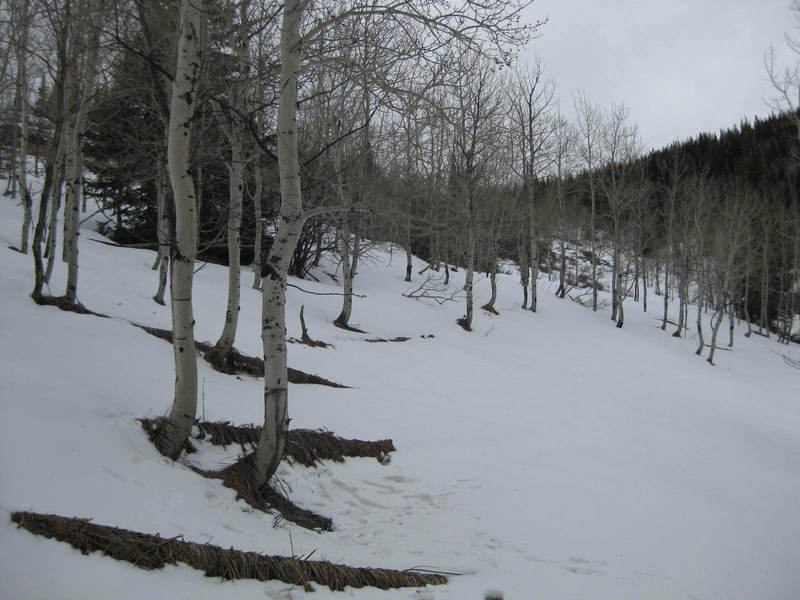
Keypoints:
pixel 681 66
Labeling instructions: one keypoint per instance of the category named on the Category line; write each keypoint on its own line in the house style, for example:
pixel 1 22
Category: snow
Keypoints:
pixel 544 455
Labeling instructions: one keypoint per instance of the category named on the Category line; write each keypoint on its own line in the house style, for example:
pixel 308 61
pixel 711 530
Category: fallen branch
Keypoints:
pixel 154 552
pixel 297 287
pixel 429 291
pixel 718 347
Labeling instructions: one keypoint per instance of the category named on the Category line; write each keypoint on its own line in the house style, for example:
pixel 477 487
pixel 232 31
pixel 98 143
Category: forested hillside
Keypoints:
pixel 315 296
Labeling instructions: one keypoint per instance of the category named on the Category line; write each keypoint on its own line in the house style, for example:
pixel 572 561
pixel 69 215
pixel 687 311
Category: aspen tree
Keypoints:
pixel 175 431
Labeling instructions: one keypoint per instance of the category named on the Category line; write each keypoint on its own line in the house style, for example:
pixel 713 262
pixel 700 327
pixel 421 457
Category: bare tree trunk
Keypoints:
pixel 41 222
pixel 666 297
pixel 164 233
pixel 593 248
pixel 746 303
pixel 235 190
pixel 644 285
pixel 719 313
pixel 620 294
pixel 764 320
pixel 657 278
pixel 700 299
pixel 58 180
pixel 408 250
pixel 11 183
pixel 524 273
pixel 534 254
pixel 493 283
pixel 468 280
pixel 75 161
pixel 22 91
pixel 178 425
pixel 345 235
pixel 620 310
pixel 259 230
pixel 730 327
pixel 562 271
pixel 614 282
pixel 272 442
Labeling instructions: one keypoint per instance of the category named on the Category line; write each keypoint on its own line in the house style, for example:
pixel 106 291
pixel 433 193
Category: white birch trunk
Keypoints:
pixel 469 279
pixel 22 90
pixel 58 186
pixel 176 431
pixel 164 234
pixel 259 227
pixel 700 290
pixel 534 254
pixel 236 188
pixel 272 442
pixel 524 273
pixel 75 162
pixel 719 313
pixel 346 202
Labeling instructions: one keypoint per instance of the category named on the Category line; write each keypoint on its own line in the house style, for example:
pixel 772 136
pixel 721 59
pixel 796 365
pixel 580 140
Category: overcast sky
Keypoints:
pixel 681 66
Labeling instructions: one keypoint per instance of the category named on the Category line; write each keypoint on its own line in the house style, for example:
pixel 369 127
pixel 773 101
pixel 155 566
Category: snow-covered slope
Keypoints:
pixel 546 455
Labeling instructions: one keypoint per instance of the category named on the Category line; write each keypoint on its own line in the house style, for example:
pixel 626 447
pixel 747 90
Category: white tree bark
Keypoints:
pixel 236 188
pixel 164 233
pixel 259 227
pixel 175 432
pixel 22 91
pixel 272 441
pixel 74 151
pixel 345 239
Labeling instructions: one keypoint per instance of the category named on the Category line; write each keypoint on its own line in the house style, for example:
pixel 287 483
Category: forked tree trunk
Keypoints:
pixel 719 313
pixel 41 221
pixel 58 180
pixel 175 432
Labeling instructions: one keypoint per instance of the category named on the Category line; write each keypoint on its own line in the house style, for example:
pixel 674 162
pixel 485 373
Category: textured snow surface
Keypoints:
pixel 543 455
